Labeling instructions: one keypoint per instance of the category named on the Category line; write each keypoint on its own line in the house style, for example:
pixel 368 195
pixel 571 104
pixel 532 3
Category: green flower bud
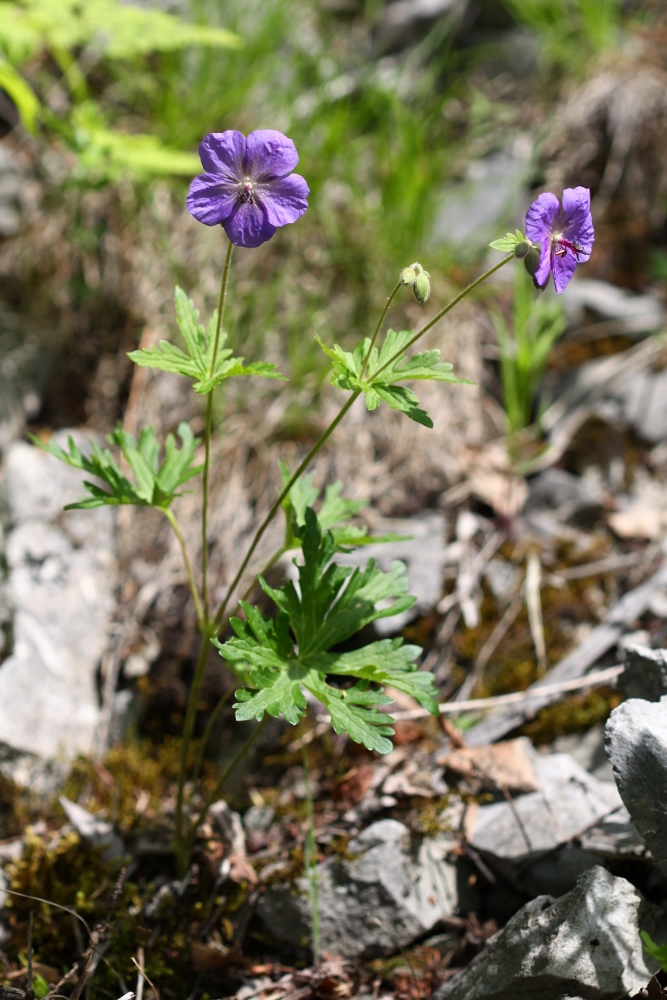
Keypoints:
pixel 422 287
pixel 521 249
pixel 531 260
pixel 407 275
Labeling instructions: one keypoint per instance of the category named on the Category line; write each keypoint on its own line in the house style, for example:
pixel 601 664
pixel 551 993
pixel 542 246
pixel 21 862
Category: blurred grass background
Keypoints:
pixel 388 116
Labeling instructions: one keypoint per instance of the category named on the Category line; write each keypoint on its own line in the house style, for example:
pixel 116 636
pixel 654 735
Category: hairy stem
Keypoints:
pixel 181 838
pixel 201 749
pixel 171 517
pixel 379 327
pixel 219 615
pixel 450 305
pixel 238 756
pixel 207 435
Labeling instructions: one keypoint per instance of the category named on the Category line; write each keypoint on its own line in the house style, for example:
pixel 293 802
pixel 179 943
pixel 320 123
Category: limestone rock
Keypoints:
pixel 397 889
pixel 543 841
pixel 636 739
pixel 645 674
pixel 61 585
pixel 584 945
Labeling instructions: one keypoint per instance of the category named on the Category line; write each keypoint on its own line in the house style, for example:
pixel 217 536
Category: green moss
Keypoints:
pixel 576 714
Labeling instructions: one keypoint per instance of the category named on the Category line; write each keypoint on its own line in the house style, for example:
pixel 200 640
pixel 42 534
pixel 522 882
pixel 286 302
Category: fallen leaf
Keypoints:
pixel 639 522
pixel 506 765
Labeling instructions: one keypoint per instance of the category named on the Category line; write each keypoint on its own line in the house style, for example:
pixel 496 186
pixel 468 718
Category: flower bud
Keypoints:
pixel 531 260
pixel 521 249
pixel 422 287
pixel 407 275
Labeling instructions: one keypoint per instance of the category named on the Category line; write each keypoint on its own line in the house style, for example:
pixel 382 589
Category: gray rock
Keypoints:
pixel 638 313
pixel 645 674
pixel 25 360
pixel 61 584
pixel 397 889
pixel 98 833
pixel 569 801
pixel 572 499
pixel 405 20
pixel 544 840
pixel 10 191
pixel 588 750
pixel 469 213
pixel 584 945
pixel 636 739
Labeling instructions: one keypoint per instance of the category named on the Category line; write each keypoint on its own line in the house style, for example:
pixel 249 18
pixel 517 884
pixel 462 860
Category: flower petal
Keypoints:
pixel 564 267
pixel 544 267
pixel 284 200
pixel 211 200
pixel 540 217
pixel 269 154
pixel 224 153
pixel 248 226
pixel 577 219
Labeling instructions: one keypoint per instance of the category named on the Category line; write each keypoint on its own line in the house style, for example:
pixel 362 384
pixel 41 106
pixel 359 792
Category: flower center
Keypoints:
pixel 246 191
pixel 560 246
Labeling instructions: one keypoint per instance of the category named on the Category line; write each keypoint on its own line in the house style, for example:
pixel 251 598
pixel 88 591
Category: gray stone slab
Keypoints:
pixel 397 889
pixel 61 584
pixel 645 674
pixel 636 739
pixel 584 945
pixel 569 801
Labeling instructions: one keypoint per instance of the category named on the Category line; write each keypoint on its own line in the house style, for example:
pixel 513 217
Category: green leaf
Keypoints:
pixel 507 243
pixel 386 367
pixel 114 29
pixel 154 485
pixel 21 94
pixel 294 652
pixel 657 951
pixel 195 362
pixel 334 514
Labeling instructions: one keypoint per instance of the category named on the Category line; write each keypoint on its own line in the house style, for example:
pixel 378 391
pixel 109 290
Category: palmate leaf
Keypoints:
pixel 155 483
pixel 335 513
pixel 294 652
pixel 387 367
pixel 195 361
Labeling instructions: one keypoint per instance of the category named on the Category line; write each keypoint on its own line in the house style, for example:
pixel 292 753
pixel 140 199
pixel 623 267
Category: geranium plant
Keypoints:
pixel 249 188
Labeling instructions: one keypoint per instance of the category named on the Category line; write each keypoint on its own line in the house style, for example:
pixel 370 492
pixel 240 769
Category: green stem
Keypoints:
pixel 443 312
pixel 201 749
pixel 207 435
pixel 379 327
pixel 310 861
pixel 180 839
pixel 238 756
pixel 219 615
pixel 171 517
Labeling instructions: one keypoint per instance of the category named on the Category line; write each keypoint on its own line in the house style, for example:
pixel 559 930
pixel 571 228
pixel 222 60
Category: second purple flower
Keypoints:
pixel 248 186
pixel 565 232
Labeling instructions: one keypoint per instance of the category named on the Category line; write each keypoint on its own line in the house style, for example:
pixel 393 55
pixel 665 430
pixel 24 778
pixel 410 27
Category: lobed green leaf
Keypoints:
pixel 195 362
pixel 295 651
pixel 386 367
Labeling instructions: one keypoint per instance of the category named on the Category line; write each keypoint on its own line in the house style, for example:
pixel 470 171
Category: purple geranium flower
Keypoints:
pixel 248 186
pixel 566 234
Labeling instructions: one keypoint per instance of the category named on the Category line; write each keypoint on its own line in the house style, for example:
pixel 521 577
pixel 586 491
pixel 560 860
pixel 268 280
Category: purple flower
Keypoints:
pixel 566 234
pixel 248 185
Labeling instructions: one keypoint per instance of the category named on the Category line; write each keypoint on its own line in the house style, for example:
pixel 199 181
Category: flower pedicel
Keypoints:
pixel 566 234
pixel 248 186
